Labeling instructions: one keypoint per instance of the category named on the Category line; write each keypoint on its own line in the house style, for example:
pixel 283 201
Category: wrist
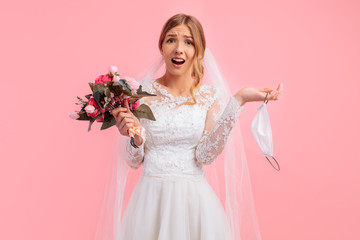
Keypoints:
pixel 240 100
pixel 138 140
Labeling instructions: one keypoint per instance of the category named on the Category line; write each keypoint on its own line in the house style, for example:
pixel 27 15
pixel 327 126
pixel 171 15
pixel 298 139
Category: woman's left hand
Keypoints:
pixel 250 94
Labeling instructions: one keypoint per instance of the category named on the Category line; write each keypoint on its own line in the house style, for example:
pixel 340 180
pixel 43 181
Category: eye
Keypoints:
pixel 170 40
pixel 189 42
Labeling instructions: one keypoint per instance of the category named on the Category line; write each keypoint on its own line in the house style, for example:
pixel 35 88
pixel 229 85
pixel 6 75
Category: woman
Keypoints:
pixel 172 199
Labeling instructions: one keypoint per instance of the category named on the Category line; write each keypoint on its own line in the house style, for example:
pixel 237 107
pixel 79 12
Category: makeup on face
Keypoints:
pixel 178 47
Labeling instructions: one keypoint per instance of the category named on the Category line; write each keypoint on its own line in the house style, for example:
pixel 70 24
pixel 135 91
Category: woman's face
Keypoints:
pixel 178 50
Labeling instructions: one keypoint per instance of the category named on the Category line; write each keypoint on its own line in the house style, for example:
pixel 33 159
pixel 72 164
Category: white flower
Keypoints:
pixel 113 69
pixel 116 78
pixel 74 115
pixel 89 108
pixel 133 84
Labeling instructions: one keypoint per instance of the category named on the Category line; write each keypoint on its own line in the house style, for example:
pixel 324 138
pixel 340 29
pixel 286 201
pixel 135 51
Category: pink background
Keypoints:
pixel 52 171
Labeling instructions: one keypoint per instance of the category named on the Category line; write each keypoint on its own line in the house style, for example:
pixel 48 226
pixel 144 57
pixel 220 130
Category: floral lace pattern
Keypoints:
pixel 183 137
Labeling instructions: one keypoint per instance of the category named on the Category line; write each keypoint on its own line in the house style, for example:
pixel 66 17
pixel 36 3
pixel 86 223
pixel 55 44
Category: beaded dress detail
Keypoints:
pixel 172 199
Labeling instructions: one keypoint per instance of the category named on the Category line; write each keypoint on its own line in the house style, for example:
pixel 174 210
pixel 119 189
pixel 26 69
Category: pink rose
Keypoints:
pixel 133 84
pixel 116 78
pixel 113 69
pixel 103 79
pixel 90 109
pixel 93 103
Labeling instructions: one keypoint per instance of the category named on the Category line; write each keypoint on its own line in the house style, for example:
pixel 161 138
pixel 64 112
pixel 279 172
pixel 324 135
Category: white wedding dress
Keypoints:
pixel 172 199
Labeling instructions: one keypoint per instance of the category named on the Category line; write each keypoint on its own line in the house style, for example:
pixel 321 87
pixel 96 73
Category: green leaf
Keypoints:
pixel 116 88
pixel 97 96
pixel 83 116
pixel 109 121
pixel 139 89
pixel 142 93
pixel 125 87
pixel 100 88
pixel 92 120
pixel 144 111
pixel 132 100
pixel 90 123
pixel 107 93
pixel 91 86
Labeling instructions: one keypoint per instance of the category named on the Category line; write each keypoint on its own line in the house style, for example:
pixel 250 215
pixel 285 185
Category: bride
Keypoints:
pixel 173 200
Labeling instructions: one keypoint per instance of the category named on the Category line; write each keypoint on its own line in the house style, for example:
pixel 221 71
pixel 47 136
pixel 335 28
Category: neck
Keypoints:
pixel 179 84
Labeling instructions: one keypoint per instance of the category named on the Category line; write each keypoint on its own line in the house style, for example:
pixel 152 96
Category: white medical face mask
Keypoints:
pixel 261 129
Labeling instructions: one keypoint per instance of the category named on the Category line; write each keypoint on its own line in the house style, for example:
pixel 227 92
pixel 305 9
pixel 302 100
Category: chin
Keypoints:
pixel 177 72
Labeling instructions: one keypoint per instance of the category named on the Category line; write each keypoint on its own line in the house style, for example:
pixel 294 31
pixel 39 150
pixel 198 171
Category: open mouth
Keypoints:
pixel 178 61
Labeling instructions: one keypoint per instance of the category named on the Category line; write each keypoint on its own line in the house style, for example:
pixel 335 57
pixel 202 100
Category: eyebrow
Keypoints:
pixel 174 35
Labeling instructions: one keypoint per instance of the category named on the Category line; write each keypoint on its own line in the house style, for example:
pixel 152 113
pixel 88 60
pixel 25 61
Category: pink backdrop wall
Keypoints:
pixel 52 171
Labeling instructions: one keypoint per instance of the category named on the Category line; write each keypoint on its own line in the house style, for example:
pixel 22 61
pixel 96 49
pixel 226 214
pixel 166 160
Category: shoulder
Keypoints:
pixel 206 88
pixel 210 90
pixel 208 95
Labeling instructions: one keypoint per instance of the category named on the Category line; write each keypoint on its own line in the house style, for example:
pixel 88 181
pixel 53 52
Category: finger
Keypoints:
pixel 279 90
pixel 121 118
pixel 123 115
pixel 129 125
pixel 118 122
pixel 126 127
pixel 117 119
pixel 115 112
pixel 122 109
pixel 129 120
pixel 276 95
pixel 126 121
pixel 126 105
pixel 265 90
pixel 121 125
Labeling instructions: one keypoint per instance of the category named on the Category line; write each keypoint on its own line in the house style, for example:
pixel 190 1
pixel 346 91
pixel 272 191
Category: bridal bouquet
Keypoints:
pixel 108 92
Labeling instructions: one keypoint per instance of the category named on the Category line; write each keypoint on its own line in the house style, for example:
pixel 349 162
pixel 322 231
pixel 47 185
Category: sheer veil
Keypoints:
pixel 228 174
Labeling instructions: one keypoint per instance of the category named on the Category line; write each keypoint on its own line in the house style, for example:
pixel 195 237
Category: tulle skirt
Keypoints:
pixel 174 208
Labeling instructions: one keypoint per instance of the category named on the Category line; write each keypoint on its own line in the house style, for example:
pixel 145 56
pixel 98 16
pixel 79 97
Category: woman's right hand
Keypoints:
pixel 125 120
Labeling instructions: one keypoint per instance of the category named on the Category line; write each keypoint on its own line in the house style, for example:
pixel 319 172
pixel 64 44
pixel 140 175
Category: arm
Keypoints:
pixel 125 120
pixel 216 132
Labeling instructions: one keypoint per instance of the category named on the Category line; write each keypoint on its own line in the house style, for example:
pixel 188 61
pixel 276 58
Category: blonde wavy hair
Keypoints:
pixel 197 32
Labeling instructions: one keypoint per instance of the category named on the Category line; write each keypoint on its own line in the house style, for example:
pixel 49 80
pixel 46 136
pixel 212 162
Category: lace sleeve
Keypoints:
pixel 216 132
pixel 135 156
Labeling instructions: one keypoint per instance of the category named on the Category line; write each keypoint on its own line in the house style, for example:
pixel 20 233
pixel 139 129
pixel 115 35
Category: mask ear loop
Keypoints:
pixel 266 98
pixel 278 166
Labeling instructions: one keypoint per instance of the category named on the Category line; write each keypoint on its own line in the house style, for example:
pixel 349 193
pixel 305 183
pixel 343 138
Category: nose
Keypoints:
pixel 179 48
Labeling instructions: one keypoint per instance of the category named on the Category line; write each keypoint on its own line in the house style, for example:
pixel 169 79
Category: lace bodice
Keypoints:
pixel 183 137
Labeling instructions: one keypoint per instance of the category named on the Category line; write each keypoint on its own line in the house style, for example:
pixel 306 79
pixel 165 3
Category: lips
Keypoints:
pixel 178 61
